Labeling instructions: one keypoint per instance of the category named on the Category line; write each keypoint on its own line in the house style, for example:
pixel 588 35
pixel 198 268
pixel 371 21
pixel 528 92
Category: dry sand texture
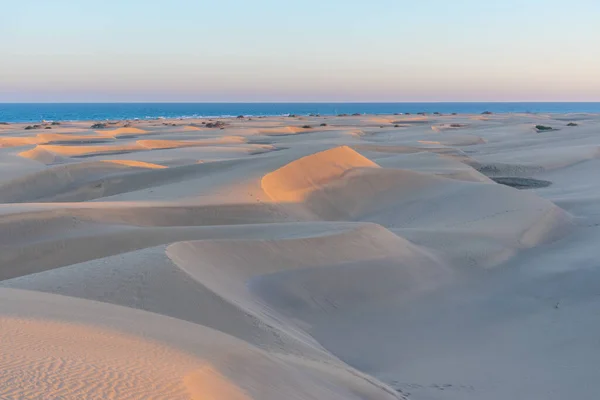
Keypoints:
pixel 374 258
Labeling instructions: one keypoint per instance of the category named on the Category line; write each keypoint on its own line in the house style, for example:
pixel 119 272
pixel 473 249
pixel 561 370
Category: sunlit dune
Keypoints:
pixel 16 141
pixel 122 131
pixel 78 151
pixel 136 164
pixel 295 180
pixel 43 155
pixel 171 144
pixel 48 359
pixel 285 130
pixel 207 384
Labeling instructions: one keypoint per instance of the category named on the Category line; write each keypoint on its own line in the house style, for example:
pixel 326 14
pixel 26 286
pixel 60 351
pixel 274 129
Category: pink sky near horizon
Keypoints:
pixel 528 50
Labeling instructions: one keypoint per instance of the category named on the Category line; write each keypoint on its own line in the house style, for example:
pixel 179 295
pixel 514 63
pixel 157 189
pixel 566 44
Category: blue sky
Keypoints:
pixel 327 50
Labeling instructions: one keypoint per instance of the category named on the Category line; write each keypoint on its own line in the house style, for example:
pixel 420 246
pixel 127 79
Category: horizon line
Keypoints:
pixel 305 102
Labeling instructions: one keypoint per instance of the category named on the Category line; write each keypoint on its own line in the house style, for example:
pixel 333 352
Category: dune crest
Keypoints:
pixel 296 180
pixel 122 131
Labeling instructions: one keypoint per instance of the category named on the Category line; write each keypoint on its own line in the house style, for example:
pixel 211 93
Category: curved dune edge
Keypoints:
pixel 340 184
pixel 293 182
pixel 170 144
pixel 208 384
pixel 122 131
pixel 352 258
pixel 62 138
pixel 76 181
pixel 16 141
pixel 82 361
pixel 43 156
pixel 287 130
pixel 135 164
pixel 456 141
pixel 134 354
pixel 82 151
pixel 43 152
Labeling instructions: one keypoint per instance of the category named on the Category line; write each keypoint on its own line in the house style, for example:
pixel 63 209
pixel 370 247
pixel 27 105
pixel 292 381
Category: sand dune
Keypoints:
pixel 294 181
pixel 340 184
pixel 43 156
pixel 203 364
pixel 73 182
pixel 122 132
pixel 296 276
pixel 170 144
pixel 286 130
pixel 268 261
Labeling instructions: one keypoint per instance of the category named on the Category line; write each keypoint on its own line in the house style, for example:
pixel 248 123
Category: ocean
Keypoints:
pixel 34 112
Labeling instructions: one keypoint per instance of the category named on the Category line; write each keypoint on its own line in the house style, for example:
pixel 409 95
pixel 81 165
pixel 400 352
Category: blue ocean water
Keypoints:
pixel 33 112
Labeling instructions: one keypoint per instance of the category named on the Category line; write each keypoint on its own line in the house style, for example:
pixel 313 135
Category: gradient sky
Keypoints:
pixel 291 50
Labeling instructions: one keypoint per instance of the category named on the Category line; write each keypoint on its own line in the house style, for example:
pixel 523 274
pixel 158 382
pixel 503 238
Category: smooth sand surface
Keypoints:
pixel 371 258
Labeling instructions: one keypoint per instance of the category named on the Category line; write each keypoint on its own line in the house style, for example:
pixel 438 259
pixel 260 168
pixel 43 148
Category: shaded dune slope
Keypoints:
pixel 294 277
pixel 340 184
pixel 173 359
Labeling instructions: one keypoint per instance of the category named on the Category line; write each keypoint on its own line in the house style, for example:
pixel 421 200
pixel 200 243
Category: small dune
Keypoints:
pixel 88 151
pixel 136 164
pixel 173 144
pixel 16 141
pixel 122 131
pixel 74 181
pixel 62 138
pixel 43 156
pixel 287 130
pixel 296 180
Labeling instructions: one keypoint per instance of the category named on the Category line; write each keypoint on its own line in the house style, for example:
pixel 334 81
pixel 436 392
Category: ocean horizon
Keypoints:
pixel 33 112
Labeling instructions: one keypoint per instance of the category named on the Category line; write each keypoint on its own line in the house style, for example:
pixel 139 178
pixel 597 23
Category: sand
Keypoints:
pixel 374 258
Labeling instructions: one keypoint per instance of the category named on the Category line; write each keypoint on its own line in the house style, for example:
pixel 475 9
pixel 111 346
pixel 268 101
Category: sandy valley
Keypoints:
pixel 420 257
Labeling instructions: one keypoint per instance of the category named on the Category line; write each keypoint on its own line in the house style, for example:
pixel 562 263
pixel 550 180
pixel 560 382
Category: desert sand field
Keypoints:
pixel 420 257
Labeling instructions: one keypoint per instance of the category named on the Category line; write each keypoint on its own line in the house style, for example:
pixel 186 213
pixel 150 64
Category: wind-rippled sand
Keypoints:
pixel 362 257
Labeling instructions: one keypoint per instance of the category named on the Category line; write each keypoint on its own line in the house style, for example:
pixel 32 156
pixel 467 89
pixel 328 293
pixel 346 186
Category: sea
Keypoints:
pixel 35 112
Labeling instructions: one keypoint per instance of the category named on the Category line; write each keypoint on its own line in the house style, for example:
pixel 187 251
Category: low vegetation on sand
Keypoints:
pixel 217 124
pixel 99 125
pixel 543 128
pixel 572 124
pixel 307 127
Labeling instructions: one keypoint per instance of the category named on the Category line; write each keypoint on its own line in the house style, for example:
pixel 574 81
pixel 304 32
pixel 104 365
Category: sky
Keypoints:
pixel 291 50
